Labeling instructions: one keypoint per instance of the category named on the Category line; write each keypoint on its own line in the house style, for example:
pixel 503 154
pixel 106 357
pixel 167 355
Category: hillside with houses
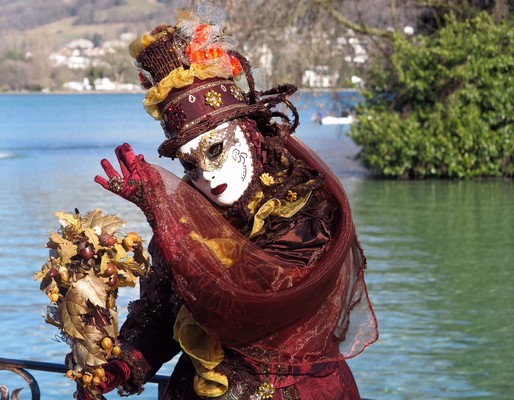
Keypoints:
pixel 83 55
pixel 50 45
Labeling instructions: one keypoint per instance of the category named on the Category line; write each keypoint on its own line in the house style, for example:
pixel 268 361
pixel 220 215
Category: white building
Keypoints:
pixel 320 77
pixel 78 86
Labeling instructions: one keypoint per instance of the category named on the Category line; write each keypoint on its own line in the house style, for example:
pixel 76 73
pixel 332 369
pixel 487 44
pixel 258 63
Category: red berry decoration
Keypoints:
pixel 87 252
pixel 54 272
pixel 106 240
pixel 110 270
pixel 113 280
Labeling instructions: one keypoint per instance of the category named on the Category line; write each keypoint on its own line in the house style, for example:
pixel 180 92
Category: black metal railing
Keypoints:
pixel 20 367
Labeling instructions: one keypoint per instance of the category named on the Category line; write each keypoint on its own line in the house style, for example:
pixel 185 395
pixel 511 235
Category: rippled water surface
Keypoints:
pixel 440 254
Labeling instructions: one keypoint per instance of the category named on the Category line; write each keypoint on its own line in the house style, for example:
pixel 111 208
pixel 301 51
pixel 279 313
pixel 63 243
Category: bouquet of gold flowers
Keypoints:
pixel 89 260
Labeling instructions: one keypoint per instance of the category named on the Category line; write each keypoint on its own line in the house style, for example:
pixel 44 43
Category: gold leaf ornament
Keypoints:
pixel 92 237
pixel 72 323
pixel 69 221
pixel 108 224
pixel 83 286
pixel 92 288
pixel 65 248
pixel 121 253
pixel 87 355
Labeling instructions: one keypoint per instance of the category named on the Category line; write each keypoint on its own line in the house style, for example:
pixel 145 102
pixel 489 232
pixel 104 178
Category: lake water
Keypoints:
pixel 440 253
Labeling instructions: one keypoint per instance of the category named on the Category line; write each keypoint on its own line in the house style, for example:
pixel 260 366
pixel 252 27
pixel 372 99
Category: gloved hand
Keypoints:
pixel 116 372
pixel 129 186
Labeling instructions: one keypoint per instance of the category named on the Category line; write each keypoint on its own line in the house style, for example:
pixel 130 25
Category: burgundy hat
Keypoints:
pixel 192 72
pixel 198 108
pixel 189 72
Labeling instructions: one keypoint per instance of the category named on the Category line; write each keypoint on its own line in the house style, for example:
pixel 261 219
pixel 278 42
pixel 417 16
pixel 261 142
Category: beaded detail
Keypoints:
pixel 213 99
pixel 138 374
pixel 266 391
pixel 237 93
pixel 173 119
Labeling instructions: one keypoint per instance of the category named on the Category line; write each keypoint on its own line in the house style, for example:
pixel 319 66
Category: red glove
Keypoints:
pixel 129 186
pixel 117 373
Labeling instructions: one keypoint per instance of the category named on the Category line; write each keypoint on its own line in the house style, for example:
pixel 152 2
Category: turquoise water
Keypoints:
pixel 440 269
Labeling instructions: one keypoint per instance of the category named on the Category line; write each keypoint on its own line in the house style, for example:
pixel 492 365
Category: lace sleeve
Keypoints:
pixel 149 324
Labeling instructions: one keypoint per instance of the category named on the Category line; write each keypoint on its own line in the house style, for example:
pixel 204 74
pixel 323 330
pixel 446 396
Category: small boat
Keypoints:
pixel 331 120
pixel 6 155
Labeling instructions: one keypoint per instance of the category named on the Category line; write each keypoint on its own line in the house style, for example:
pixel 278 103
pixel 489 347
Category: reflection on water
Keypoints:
pixel 440 275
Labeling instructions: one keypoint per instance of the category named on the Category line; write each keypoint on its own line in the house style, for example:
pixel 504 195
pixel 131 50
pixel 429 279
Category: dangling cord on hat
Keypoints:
pixel 281 93
pixel 270 98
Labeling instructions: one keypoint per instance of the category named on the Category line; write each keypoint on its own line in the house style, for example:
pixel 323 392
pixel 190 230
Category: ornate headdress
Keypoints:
pixel 190 71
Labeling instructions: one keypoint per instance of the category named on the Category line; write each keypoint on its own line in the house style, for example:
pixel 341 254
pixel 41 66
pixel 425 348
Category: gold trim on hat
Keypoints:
pixel 179 78
pixel 214 113
pixel 196 89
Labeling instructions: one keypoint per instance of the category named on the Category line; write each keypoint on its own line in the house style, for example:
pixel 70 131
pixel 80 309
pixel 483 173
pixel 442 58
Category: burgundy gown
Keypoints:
pixel 288 306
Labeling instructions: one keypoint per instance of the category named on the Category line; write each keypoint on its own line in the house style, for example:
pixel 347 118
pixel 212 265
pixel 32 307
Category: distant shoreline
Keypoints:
pixel 62 92
pixel 87 92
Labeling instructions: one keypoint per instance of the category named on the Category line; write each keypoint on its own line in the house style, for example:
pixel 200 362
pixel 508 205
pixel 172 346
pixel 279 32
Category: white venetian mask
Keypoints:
pixel 219 163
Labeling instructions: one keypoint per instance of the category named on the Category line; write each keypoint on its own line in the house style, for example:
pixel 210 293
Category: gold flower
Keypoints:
pixel 291 196
pixel 266 391
pixel 213 99
pixel 236 92
pixel 267 179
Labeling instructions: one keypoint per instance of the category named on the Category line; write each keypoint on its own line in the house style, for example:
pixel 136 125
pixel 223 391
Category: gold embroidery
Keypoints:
pixel 267 179
pixel 236 92
pixel 291 196
pixel 266 391
pixel 213 99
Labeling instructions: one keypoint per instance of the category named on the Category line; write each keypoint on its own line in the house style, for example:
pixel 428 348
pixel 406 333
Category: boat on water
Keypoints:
pixel 344 119
pixel 332 120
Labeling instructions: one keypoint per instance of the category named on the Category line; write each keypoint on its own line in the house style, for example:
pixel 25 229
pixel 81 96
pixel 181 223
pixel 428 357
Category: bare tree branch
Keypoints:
pixel 340 18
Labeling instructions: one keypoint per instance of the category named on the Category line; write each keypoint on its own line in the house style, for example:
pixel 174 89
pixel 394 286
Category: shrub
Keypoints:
pixel 442 106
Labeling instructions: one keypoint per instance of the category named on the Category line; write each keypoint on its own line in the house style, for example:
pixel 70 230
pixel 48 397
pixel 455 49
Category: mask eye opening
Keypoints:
pixel 187 161
pixel 215 150
pixel 188 166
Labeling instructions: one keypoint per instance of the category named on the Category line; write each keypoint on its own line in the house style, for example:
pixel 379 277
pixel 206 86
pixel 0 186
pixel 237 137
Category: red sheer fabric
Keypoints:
pixel 258 304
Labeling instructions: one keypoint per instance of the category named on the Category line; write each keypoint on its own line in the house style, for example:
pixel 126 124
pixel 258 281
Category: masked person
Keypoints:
pixel 257 272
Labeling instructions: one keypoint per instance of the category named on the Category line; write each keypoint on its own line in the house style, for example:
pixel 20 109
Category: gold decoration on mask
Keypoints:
pixel 199 156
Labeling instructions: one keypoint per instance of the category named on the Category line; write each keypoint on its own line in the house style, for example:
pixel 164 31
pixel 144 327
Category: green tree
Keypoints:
pixel 93 74
pixel 97 39
pixel 443 106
